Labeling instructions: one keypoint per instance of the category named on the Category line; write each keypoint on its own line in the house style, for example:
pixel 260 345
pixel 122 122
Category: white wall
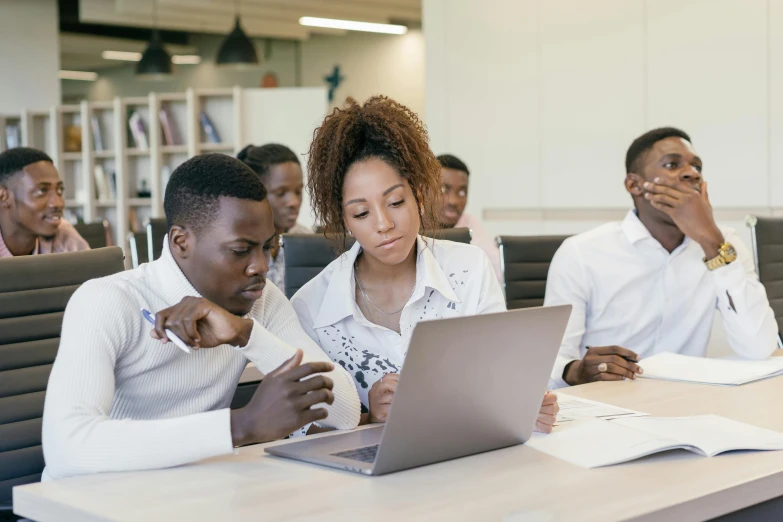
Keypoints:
pixel 29 55
pixel 371 63
pixel 541 98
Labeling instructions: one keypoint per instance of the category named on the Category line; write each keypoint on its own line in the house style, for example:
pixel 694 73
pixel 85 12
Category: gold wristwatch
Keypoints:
pixel 726 255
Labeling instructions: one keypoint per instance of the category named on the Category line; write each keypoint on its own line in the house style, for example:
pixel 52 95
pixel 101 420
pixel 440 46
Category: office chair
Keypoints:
pixel 33 293
pixel 524 261
pixel 307 254
pixel 766 234
pixel 96 234
pixel 156 232
pixel 138 248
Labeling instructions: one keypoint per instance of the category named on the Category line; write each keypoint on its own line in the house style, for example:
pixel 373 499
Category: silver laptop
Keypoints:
pixel 469 385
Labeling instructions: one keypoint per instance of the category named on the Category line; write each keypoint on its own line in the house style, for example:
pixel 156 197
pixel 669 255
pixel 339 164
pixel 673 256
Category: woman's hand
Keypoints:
pixel 381 395
pixel 548 413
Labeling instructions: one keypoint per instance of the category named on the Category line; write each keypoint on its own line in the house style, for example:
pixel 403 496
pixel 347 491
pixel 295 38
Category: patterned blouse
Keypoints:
pixel 452 280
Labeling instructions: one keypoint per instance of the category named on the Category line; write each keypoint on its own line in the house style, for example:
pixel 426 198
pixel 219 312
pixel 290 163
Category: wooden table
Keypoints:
pixel 514 484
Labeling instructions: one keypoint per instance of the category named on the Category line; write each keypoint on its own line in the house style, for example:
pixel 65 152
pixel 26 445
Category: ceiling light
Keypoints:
pixel 186 59
pixel 155 63
pixel 237 48
pixel 123 56
pixel 86 76
pixel 349 25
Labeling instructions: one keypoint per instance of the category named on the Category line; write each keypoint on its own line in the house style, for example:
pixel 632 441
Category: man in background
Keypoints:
pixel 652 282
pixel 454 187
pixel 31 206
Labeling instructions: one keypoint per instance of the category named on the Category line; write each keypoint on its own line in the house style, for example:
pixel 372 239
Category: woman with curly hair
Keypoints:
pixel 372 175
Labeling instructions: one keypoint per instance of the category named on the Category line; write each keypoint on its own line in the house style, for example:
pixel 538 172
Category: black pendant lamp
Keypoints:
pixel 155 63
pixel 237 48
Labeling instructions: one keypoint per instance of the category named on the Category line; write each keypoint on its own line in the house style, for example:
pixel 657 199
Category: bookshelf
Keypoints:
pixel 96 136
pixel 217 126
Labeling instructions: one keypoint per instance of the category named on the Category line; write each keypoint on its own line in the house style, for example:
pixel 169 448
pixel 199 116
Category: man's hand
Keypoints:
pixel 282 403
pixel 200 323
pixel 548 413
pixel 381 395
pixel 690 210
pixel 603 363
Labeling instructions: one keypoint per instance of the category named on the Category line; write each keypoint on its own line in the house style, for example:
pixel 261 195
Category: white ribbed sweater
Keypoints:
pixel 119 400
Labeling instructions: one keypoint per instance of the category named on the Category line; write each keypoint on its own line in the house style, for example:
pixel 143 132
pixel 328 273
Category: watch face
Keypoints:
pixel 728 253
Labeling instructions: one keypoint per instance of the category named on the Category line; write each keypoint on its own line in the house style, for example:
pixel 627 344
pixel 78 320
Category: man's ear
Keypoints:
pixel 5 197
pixel 633 184
pixel 181 241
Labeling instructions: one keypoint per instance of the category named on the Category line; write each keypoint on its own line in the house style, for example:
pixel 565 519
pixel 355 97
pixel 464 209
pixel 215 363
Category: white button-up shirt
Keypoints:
pixel 452 280
pixel 627 290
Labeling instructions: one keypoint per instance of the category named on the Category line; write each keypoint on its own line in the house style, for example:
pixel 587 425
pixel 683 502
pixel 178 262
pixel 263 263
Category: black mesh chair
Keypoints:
pixel 524 261
pixel 96 234
pixel 767 241
pixel 138 248
pixel 307 254
pixel 33 293
pixel 156 231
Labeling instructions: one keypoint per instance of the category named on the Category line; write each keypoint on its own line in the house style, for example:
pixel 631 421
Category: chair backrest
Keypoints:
pixel 767 240
pixel 307 254
pixel 156 231
pixel 33 293
pixel 524 261
pixel 94 233
pixel 138 248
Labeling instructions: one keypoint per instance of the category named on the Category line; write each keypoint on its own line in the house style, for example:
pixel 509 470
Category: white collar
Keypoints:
pixel 339 300
pixel 635 231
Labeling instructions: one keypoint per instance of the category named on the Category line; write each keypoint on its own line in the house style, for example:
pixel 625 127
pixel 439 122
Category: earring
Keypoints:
pixel 350 233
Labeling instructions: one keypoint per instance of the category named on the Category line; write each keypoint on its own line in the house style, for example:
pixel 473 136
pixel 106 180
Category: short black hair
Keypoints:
pixel 260 159
pixel 449 161
pixel 642 145
pixel 195 187
pixel 15 160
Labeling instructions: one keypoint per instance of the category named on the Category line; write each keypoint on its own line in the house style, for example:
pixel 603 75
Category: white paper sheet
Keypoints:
pixel 723 372
pixel 576 408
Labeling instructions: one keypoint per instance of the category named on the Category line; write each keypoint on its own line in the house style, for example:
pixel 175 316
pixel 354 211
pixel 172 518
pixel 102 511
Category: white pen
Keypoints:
pixel 171 335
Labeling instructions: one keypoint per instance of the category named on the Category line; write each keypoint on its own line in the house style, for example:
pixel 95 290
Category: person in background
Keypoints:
pixel 374 177
pixel 31 206
pixel 454 189
pixel 122 397
pixel 651 283
pixel 281 173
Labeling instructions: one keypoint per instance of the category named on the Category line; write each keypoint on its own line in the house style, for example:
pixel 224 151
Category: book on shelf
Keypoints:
pixel 168 124
pixel 103 184
pixel 209 128
pixel 138 134
pixel 73 138
pixel 13 136
pixel 97 136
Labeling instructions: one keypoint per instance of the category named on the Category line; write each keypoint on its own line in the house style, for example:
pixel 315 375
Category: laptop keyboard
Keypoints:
pixel 365 454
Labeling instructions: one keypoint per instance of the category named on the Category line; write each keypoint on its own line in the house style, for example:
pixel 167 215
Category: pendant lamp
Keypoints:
pixel 155 63
pixel 237 48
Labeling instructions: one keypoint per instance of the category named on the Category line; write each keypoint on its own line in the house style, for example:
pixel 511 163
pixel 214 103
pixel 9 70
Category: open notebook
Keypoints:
pixel 595 443
pixel 722 372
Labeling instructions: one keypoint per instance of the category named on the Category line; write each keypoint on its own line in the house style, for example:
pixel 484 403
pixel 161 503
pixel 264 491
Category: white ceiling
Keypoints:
pixel 260 18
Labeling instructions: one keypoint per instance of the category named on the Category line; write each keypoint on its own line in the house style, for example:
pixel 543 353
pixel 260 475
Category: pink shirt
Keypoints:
pixel 67 239
pixel 483 240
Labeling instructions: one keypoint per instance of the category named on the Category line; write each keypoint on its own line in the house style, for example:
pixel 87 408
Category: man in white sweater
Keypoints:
pixel 122 397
